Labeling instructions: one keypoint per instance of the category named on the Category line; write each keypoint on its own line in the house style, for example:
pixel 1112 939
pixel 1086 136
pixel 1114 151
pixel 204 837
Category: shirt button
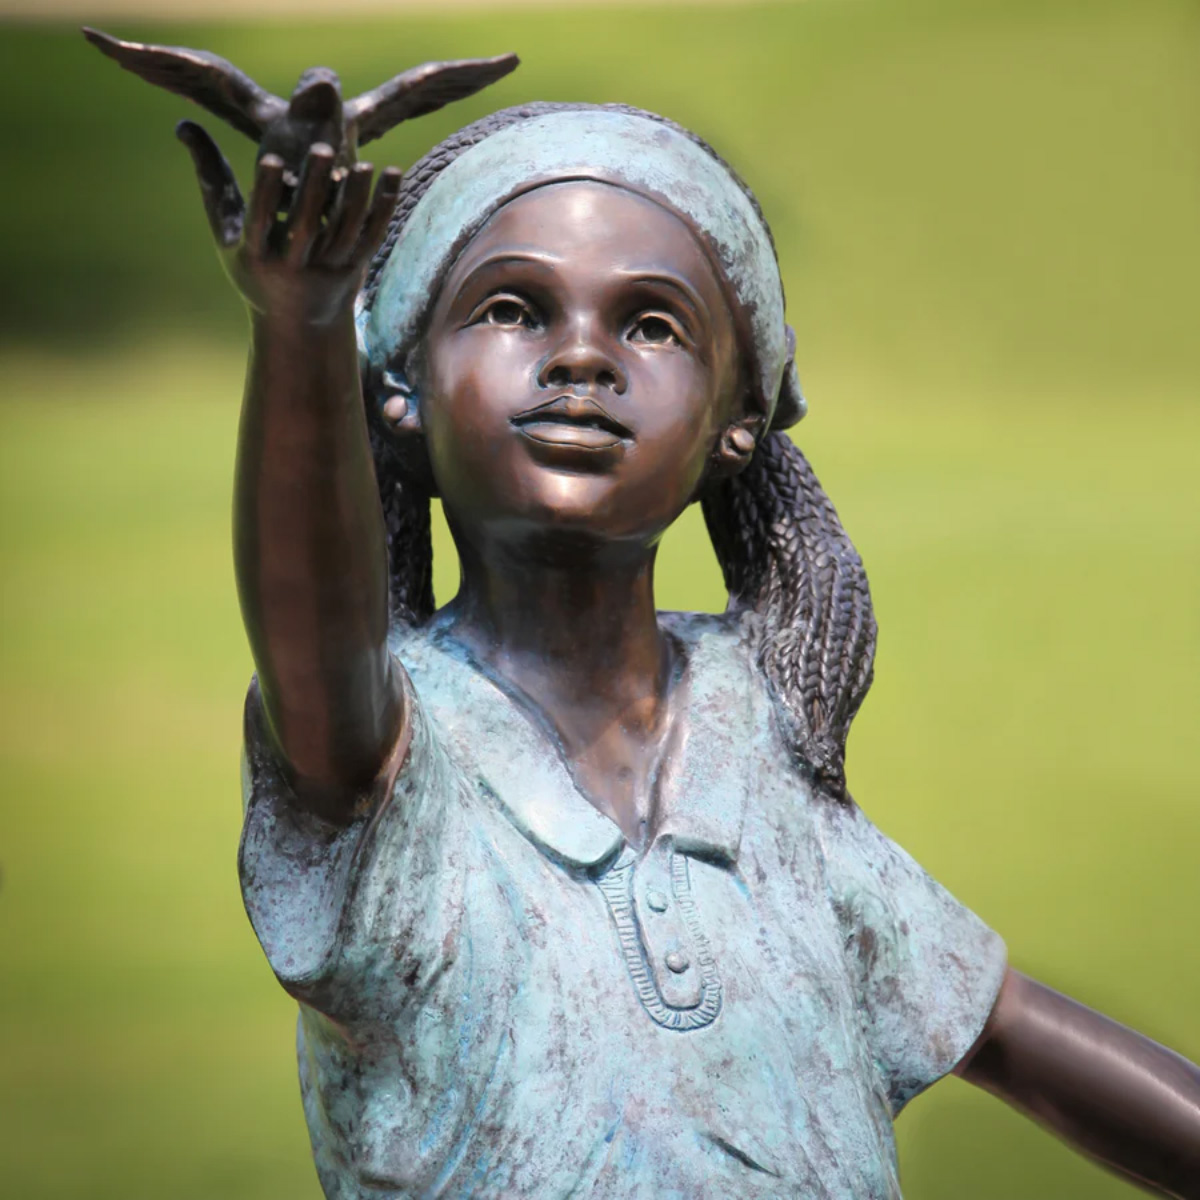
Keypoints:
pixel 677 962
pixel 656 900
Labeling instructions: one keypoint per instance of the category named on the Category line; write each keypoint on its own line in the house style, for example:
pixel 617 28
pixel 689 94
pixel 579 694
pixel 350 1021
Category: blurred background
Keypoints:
pixel 988 214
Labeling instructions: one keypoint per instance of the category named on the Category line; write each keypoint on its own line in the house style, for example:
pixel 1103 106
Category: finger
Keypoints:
pixel 346 223
pixel 312 195
pixel 265 202
pixel 223 204
pixel 333 213
pixel 380 216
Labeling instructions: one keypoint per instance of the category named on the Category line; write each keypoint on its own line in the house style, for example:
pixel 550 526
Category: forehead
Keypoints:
pixel 592 226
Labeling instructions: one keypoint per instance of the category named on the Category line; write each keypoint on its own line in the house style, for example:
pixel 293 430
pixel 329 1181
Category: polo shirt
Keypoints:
pixel 499 997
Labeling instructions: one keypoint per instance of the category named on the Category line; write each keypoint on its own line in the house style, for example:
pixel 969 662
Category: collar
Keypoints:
pixel 704 780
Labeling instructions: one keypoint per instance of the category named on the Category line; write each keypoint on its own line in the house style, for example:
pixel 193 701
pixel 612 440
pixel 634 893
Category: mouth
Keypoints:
pixel 573 421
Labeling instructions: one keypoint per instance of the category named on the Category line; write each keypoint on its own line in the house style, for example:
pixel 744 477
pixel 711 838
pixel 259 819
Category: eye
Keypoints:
pixel 655 329
pixel 507 312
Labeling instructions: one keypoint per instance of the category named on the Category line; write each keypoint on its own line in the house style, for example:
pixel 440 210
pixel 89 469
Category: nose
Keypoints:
pixel 583 358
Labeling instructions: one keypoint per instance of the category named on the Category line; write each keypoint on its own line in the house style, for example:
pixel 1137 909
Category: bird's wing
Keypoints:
pixel 210 81
pixel 423 90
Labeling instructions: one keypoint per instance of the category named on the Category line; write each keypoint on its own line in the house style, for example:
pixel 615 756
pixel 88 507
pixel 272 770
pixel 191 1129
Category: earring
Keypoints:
pixel 735 447
pixel 739 440
pixel 397 401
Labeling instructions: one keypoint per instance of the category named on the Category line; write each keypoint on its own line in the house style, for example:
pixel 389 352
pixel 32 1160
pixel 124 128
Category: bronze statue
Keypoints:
pixel 571 892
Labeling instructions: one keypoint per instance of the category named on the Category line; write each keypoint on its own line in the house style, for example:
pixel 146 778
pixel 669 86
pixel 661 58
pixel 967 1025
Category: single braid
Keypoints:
pixel 786 557
pixel 408 522
pixel 782 549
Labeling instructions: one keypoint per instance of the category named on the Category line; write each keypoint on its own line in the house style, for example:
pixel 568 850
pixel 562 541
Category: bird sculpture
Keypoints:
pixel 316 111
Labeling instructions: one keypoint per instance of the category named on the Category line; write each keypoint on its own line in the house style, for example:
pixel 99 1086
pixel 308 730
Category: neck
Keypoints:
pixel 576 632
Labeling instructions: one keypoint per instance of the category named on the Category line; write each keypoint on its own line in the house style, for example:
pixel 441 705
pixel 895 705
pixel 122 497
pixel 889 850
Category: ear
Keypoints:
pixel 735 447
pixel 395 401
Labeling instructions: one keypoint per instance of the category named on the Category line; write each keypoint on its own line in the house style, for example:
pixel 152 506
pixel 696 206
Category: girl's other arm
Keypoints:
pixel 309 543
pixel 1120 1098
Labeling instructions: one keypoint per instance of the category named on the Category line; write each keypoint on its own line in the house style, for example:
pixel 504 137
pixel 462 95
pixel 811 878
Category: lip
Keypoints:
pixel 571 420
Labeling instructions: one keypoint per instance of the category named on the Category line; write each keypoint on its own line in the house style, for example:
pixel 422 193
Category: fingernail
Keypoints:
pixel 396 408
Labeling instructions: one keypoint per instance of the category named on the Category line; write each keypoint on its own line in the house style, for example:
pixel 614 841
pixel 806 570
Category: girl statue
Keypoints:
pixel 570 892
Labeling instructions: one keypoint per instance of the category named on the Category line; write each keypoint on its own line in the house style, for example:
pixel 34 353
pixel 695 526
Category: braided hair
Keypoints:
pixel 783 552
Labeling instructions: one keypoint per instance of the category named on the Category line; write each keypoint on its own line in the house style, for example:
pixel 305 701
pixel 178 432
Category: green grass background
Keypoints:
pixel 989 222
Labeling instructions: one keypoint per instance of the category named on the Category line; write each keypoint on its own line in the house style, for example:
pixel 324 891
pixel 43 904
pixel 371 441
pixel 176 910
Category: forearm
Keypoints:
pixel 1115 1095
pixel 311 555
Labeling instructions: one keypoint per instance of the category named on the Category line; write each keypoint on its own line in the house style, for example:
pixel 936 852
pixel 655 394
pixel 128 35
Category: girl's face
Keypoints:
pixel 579 367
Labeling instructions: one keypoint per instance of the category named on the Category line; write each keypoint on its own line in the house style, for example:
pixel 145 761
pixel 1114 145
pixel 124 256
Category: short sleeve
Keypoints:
pixel 926 969
pixel 326 899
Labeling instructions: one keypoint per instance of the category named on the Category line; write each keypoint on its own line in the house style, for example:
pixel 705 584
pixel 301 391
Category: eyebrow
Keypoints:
pixel 511 257
pixel 673 282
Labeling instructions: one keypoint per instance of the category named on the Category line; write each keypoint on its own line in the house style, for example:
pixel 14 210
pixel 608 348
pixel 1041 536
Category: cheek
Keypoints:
pixel 679 410
pixel 479 376
pixel 473 385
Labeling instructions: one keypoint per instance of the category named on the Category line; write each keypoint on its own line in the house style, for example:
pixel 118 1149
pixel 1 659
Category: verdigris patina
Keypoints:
pixel 570 892
pixel 501 997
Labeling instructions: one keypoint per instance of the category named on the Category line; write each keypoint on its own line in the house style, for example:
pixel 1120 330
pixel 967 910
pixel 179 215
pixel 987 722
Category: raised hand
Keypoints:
pixel 298 253
pixel 310 550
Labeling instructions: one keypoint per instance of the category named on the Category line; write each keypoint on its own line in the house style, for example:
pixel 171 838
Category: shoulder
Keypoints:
pixel 719 652
pixel 732 701
pixel 417 647
pixel 728 628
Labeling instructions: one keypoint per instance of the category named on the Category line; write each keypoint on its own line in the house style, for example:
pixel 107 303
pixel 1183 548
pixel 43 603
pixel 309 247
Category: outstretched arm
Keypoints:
pixel 309 542
pixel 1118 1097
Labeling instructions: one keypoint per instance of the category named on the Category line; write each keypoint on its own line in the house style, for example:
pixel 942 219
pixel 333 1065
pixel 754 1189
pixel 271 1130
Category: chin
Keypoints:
pixel 580 502
pixel 565 518
pixel 573 514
